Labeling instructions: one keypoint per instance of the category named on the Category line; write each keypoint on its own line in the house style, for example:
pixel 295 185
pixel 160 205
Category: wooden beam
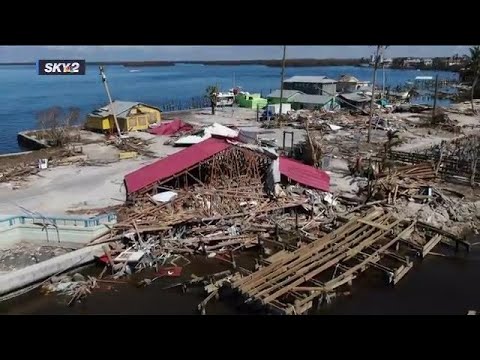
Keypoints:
pixel 430 245
pixel 377 236
pixel 301 303
pixel 333 283
pixel 437 230
pixel 401 272
pixel 308 288
pixel 371 223
pixel 352 223
pixel 307 262
pixel 295 258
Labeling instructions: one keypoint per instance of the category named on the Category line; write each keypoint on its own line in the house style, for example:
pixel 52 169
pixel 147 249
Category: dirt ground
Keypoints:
pixel 56 190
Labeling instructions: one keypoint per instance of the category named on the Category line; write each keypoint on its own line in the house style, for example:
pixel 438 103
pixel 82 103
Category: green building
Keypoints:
pixel 251 101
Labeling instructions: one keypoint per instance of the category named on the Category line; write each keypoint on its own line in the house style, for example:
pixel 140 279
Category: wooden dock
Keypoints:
pixel 293 281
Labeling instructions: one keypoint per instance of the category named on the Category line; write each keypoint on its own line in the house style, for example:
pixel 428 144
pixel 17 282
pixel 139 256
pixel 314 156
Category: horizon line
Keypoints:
pixel 216 61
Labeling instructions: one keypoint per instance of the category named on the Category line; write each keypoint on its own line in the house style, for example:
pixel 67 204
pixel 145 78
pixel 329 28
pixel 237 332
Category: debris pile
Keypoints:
pixel 173 128
pixel 443 121
pixel 403 181
pixel 26 254
pixel 208 220
pixel 291 282
pixel 177 136
pixel 132 144
pixel 76 286
pixel 315 242
pixel 17 168
pixel 17 172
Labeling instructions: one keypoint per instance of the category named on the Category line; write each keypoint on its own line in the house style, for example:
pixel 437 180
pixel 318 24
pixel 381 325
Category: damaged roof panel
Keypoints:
pixel 174 164
pixel 304 174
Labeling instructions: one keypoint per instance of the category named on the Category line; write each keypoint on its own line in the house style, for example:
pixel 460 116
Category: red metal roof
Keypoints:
pixel 174 164
pixel 304 174
pixel 170 128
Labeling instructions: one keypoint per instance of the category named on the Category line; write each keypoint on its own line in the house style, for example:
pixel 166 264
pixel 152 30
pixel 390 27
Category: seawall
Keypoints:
pixel 28 142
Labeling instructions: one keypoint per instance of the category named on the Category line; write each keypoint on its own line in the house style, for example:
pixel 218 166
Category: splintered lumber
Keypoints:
pixel 423 171
pixel 329 254
pixel 379 226
pixel 234 241
pixel 321 243
pixel 349 274
pixel 336 282
pixel 208 239
pixel 278 255
pixel 292 272
pixel 275 268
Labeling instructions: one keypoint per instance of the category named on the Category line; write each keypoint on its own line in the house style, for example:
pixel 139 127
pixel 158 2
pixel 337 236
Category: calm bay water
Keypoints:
pixel 23 93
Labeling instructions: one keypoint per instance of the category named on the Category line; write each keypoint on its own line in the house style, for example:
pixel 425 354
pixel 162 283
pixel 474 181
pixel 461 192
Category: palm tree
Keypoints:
pixel 211 94
pixel 474 67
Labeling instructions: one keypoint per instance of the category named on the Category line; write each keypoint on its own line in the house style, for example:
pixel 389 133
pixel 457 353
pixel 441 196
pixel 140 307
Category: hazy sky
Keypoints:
pixel 117 53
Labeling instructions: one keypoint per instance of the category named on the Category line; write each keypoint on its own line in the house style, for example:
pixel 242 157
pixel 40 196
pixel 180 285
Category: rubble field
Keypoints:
pixel 409 190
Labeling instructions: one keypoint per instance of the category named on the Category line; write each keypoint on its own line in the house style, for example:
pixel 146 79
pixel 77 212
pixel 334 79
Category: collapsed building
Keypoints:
pixel 220 160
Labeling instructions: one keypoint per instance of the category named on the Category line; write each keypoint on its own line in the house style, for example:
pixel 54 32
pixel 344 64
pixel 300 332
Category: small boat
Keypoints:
pixel 225 99
pixel 134 70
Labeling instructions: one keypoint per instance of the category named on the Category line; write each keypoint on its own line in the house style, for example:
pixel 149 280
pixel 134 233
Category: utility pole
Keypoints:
pixel 375 66
pixel 435 98
pixel 282 76
pixel 383 72
pixel 104 80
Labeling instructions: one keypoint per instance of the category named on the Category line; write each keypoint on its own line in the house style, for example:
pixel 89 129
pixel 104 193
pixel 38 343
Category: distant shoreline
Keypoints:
pixel 270 63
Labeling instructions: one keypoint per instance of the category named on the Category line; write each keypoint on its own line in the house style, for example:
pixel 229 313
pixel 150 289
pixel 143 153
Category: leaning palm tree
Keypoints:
pixel 474 67
pixel 211 94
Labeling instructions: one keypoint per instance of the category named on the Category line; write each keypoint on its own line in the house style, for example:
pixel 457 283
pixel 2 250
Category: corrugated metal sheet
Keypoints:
pixel 171 128
pixel 121 109
pixel 304 174
pixel 173 164
pixel 286 94
pixel 355 97
pixel 310 79
pixel 312 99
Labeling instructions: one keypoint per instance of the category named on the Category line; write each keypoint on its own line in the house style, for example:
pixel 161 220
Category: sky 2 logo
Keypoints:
pixel 61 67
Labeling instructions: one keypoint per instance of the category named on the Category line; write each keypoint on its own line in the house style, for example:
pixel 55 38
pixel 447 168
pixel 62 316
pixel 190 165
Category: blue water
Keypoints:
pixel 23 93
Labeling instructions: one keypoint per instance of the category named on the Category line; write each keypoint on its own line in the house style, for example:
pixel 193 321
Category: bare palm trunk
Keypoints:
pixel 472 94
pixel 212 104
